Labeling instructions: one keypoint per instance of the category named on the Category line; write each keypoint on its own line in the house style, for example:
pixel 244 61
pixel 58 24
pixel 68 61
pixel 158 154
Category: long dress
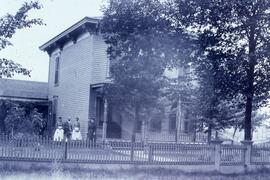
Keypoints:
pixel 59 132
pixel 76 133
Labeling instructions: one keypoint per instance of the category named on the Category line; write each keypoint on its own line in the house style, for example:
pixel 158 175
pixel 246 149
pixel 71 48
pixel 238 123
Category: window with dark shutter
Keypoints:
pixel 56 73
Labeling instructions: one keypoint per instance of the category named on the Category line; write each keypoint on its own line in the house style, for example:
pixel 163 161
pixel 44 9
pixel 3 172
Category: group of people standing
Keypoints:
pixel 69 131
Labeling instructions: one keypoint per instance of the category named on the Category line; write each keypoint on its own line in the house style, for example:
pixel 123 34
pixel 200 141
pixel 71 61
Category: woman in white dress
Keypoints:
pixel 76 133
pixel 59 132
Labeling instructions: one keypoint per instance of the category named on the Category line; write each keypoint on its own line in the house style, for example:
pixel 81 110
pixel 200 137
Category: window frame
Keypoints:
pixel 56 70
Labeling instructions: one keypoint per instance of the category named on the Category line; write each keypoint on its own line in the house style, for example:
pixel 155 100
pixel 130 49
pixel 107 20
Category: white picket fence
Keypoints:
pixel 120 152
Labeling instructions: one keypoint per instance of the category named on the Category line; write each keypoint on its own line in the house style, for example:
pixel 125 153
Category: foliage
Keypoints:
pixel 19 121
pixel 16 120
pixel 233 39
pixel 37 120
pixel 8 26
pixel 213 108
pixel 137 35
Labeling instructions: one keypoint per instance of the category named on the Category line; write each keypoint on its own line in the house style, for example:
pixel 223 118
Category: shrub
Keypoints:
pixel 24 119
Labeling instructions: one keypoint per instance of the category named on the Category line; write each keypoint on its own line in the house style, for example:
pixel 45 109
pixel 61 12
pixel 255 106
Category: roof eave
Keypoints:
pixel 65 33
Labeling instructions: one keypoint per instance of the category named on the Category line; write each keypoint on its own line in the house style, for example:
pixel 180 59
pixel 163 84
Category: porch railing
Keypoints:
pixel 166 136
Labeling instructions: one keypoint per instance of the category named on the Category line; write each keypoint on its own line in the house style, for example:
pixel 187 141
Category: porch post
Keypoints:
pixel 143 131
pixel 178 121
pixel 104 127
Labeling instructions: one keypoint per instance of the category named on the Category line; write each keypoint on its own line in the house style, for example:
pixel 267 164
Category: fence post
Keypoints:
pixel 132 152
pixel 65 155
pixel 217 144
pixel 248 146
pixel 150 153
pixel 175 137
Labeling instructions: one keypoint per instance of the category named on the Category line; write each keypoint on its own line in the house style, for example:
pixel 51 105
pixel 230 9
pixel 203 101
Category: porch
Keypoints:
pixel 115 124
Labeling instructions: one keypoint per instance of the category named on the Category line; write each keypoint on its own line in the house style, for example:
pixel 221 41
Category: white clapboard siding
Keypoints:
pixel 100 61
pixel 81 64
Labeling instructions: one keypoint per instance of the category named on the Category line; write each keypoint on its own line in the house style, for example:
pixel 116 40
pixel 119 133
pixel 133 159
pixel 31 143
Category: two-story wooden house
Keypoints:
pixel 78 69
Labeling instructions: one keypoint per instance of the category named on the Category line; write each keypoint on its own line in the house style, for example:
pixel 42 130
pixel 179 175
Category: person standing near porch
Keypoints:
pixel 68 129
pixel 59 132
pixel 76 133
pixel 92 130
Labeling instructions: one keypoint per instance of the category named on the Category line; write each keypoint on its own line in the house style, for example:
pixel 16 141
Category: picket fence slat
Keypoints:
pixel 260 154
pixel 232 155
pixel 45 149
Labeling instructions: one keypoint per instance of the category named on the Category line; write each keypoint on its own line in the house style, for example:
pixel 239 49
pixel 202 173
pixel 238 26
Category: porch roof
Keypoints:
pixel 20 90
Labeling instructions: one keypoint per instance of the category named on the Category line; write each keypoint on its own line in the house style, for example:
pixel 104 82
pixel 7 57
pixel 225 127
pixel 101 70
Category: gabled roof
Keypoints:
pixel 71 33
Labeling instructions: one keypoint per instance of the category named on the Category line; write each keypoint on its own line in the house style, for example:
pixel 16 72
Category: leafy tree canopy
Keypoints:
pixel 9 24
pixel 137 33
pixel 233 44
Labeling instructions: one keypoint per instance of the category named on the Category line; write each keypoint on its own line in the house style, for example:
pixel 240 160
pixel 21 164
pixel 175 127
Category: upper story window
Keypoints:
pixel 56 72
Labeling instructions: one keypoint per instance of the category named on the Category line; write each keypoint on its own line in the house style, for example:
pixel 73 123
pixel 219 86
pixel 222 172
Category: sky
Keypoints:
pixel 58 15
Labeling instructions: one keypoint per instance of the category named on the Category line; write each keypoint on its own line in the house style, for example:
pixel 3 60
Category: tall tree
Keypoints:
pixel 8 26
pixel 237 34
pixel 137 35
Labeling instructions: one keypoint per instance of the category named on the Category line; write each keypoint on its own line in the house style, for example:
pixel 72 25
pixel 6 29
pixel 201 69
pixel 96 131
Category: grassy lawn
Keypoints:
pixel 56 172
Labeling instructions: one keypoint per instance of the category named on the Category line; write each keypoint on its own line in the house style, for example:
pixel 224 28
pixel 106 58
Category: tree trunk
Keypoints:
pixel 248 118
pixel 234 132
pixel 209 133
pixel 250 84
pixel 133 137
pixel 194 130
pixel 216 135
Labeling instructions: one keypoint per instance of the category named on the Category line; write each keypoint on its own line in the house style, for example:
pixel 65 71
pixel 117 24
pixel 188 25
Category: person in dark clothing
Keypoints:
pixel 92 130
pixel 68 129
